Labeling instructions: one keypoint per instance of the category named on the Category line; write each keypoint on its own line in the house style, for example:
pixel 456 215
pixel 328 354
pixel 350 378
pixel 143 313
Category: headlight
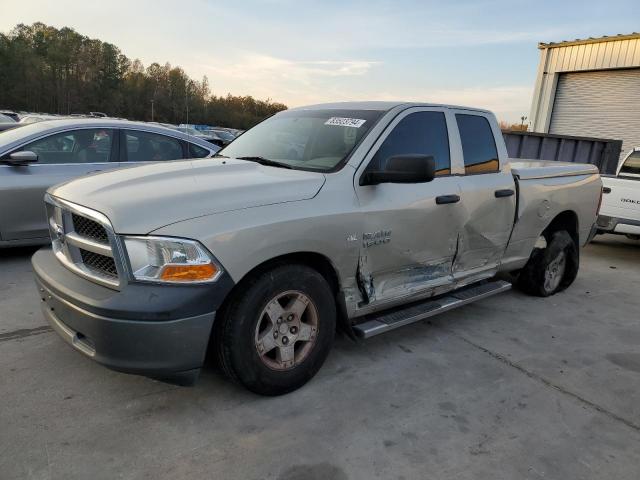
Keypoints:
pixel 172 260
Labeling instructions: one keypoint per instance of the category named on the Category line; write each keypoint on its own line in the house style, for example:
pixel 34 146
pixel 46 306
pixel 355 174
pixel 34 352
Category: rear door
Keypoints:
pixel 61 157
pixel 488 197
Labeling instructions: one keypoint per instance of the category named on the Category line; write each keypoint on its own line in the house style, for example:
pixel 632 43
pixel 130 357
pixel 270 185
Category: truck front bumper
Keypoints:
pixel 149 329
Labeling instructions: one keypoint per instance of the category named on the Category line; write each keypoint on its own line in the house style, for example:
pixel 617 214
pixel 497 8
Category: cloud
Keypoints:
pixel 295 82
pixel 252 64
pixel 509 102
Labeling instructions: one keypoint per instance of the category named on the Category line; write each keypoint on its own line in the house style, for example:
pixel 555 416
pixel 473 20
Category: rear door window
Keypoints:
pixel 75 146
pixel 422 133
pixel 151 147
pixel 478 144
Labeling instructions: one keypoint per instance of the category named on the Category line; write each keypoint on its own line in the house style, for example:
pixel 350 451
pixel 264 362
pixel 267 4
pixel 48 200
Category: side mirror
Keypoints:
pixel 411 168
pixel 22 158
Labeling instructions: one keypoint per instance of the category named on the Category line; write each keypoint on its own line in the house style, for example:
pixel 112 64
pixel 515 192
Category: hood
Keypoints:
pixel 140 199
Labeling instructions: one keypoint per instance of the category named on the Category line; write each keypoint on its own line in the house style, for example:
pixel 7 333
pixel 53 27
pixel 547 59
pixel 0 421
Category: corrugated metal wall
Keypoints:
pixel 603 104
pixel 579 56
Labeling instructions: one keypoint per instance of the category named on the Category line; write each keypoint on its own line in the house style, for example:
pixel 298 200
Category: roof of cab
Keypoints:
pixel 380 106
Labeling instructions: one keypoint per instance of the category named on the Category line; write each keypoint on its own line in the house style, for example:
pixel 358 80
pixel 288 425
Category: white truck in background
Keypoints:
pixel 620 211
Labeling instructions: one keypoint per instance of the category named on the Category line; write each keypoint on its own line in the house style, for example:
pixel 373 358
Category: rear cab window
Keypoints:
pixel 478 144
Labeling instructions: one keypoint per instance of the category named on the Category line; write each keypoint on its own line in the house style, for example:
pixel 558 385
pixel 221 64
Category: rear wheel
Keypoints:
pixel 551 269
pixel 275 335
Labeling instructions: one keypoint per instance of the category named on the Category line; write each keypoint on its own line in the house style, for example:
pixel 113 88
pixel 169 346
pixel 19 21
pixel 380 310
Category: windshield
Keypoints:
pixel 305 139
pixel 632 164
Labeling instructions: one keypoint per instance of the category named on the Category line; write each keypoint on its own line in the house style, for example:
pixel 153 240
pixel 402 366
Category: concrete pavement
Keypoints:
pixel 510 387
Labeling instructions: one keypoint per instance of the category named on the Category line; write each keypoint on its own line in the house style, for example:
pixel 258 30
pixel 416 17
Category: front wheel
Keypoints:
pixel 551 269
pixel 276 333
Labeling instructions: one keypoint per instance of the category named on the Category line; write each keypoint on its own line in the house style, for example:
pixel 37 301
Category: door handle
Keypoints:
pixel 507 192
pixel 443 199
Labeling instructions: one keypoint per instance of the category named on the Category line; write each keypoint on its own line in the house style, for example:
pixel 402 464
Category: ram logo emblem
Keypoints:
pixel 376 238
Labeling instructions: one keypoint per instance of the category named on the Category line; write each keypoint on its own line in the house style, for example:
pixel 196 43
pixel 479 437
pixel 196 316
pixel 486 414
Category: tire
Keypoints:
pixel 301 324
pixel 552 269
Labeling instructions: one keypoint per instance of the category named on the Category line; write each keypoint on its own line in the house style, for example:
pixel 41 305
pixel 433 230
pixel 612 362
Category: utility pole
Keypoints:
pixel 152 110
pixel 522 118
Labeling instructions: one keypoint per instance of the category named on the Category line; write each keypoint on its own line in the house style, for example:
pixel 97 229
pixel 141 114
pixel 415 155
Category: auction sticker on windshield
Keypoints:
pixel 345 122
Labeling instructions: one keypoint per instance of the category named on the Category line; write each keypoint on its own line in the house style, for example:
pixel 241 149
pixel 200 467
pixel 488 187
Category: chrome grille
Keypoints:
pixel 83 241
pixel 99 263
pixel 88 228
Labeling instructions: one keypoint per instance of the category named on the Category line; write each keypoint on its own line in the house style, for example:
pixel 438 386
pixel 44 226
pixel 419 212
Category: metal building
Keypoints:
pixel 589 88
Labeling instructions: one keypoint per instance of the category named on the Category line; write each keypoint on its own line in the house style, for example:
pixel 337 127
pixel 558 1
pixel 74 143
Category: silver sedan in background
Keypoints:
pixel 39 155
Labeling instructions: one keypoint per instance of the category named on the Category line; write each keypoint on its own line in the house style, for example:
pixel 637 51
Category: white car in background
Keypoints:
pixel 620 211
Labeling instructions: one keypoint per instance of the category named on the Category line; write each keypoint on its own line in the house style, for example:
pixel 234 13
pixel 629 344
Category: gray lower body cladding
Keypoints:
pixel 147 329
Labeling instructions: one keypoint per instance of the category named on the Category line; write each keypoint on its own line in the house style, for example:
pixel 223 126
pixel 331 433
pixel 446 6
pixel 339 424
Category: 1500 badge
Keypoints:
pixel 376 238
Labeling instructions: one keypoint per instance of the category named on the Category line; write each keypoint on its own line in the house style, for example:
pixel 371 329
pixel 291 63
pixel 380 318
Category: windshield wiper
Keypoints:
pixel 266 162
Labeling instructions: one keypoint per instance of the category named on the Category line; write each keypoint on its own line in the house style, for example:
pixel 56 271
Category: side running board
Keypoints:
pixel 391 319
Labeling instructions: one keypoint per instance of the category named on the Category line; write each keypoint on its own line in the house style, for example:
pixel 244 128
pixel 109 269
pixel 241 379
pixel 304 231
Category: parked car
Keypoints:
pixel 38 117
pixel 38 155
pixel 395 212
pixel 620 212
pixel 7 122
pixel 11 114
pixel 225 136
pixel 206 135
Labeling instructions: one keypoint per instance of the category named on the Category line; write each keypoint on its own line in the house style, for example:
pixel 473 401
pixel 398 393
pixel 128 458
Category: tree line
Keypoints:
pixel 45 69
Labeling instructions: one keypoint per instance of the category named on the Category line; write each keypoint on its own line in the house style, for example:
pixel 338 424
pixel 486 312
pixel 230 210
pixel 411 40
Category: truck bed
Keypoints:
pixel 534 169
pixel 546 189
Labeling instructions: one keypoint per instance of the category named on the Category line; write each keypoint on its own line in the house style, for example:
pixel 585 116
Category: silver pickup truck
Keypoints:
pixel 358 216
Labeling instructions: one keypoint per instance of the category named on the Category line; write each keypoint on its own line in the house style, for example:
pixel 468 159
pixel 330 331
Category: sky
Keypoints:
pixel 476 53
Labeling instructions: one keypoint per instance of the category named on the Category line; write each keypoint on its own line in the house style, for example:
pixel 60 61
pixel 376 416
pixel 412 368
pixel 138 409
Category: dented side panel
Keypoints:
pixel 540 201
pixel 409 242
pixel 486 223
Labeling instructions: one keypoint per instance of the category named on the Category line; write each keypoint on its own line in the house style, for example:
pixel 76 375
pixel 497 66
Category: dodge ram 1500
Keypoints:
pixel 360 216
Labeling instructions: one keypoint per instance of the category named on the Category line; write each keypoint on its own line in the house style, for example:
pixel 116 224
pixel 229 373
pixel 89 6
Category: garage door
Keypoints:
pixel 603 104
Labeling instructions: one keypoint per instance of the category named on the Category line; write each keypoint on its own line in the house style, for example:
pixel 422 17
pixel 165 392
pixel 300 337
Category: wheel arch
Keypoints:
pixel 566 220
pixel 318 262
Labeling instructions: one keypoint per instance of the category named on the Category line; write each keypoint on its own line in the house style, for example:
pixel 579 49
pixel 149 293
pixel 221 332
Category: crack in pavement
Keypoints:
pixel 24 332
pixel 501 358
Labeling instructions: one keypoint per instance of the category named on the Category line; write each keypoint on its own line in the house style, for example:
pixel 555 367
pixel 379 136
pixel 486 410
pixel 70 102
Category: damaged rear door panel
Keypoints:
pixel 488 199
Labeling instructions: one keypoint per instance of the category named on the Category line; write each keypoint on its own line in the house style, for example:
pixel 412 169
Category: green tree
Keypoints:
pixel 45 69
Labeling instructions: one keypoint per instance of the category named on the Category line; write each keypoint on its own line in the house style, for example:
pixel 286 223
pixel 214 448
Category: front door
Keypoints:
pixel 61 157
pixel 409 231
